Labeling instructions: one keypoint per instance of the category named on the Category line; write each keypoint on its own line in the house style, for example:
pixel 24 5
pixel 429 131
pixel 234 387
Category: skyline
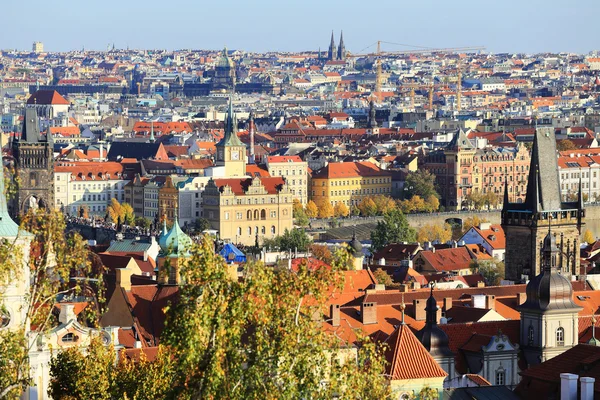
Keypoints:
pixel 264 25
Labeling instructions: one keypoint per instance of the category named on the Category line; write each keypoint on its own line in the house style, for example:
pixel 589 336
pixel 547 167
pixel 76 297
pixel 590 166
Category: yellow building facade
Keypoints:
pixel 349 183
pixel 248 210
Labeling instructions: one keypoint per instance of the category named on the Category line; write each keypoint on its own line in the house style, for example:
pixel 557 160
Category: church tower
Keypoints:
pixel 341 55
pixel 231 152
pixel 549 317
pixel 372 127
pixel 34 170
pixel 331 54
pixel 525 224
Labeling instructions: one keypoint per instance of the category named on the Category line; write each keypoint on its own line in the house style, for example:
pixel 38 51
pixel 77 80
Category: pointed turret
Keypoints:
pixel 230 138
pixel 543 188
pixel 331 54
pixel 152 140
pixel 505 201
pixel 31 127
pixel 431 336
pixel 341 55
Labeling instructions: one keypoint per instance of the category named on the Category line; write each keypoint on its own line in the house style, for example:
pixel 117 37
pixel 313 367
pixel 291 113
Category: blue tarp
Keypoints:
pixel 232 254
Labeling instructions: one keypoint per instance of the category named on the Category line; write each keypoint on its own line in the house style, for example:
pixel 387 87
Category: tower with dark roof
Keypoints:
pixel 434 339
pixel 372 127
pixel 341 54
pixel 549 316
pixel 525 224
pixel 34 167
pixel 331 53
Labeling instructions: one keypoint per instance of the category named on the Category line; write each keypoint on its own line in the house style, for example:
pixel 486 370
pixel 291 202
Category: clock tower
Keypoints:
pixel 231 152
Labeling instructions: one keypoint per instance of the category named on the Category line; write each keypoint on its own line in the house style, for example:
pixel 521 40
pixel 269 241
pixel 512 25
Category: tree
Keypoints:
pixel 367 207
pixel 432 204
pixel 128 216
pixel 143 222
pixel 565 145
pixel 393 229
pixel 491 270
pixel 382 277
pixel 321 252
pixel 97 374
pixel 470 222
pixel 52 259
pixel 325 210
pixel 414 204
pixel 256 337
pixel 475 200
pixel 588 237
pixel 432 232
pixel 296 207
pixel 201 224
pixel 383 203
pixel 312 211
pixel 341 210
pixel 301 218
pixel 117 210
pixel 491 199
pixel 294 240
pixel 420 183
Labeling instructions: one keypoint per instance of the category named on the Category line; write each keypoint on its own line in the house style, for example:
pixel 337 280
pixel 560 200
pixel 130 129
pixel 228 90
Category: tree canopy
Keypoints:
pixel 420 183
pixel 393 229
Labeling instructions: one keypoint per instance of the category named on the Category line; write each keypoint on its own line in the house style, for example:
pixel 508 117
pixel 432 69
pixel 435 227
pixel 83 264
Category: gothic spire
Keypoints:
pixel 341 55
pixel 152 140
pixel 230 138
pixel 543 188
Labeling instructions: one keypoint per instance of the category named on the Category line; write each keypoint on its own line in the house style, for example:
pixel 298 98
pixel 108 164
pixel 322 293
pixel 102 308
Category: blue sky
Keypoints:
pixel 290 25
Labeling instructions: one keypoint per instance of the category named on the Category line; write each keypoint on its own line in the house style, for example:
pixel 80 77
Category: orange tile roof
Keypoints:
pixel 239 186
pixel 448 259
pixel 283 159
pixel 47 97
pixel 408 359
pixel 350 170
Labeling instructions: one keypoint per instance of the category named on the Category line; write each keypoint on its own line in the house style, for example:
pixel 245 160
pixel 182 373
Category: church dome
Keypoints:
pixel 224 61
pixel 431 336
pixel 175 241
pixel 355 246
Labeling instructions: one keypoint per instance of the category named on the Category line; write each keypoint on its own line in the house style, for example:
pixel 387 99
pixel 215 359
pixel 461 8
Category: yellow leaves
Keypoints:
pixel 341 210
pixel 325 209
pixel 588 237
pixel 311 209
pixel 432 232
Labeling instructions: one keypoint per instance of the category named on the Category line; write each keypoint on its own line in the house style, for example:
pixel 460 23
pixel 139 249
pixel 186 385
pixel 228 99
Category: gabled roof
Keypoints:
pixel 408 359
pixel 47 97
pixel 350 170
pixel 240 186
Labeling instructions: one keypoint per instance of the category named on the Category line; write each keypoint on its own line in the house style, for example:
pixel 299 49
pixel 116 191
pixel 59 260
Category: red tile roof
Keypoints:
pixel 47 97
pixel 448 259
pixel 350 170
pixel 408 359
pixel 283 159
pixel 240 186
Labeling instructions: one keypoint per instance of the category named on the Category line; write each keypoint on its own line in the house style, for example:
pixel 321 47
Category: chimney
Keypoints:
pixel 481 284
pixel 415 285
pixel 67 313
pixel 403 288
pixel 419 306
pixel 568 386
pixel 447 303
pixel 124 278
pixel 335 314
pixel 368 311
pixel 587 388
pixel 490 302
pixel 521 297
pixel 137 345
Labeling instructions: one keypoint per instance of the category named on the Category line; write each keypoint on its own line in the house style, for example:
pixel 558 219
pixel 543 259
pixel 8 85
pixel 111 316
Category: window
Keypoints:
pixel 560 337
pixel 249 231
pixel 239 231
pixel 69 338
pixel 226 215
pixel 500 377
pixel 272 229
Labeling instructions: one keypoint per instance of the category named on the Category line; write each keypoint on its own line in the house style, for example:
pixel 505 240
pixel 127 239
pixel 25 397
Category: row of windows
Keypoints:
pixel 356 191
pixel 575 175
pixel 255 215
pixel 256 230
pixel 371 181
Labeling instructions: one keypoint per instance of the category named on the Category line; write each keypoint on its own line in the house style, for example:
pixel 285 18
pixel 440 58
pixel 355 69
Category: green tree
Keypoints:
pixel 382 277
pixel 491 270
pixel 393 229
pixel 301 218
pixel 420 183
pixel 143 222
pixel 367 207
pixel 258 338
pixel 296 239
pixel 51 259
pixel 201 224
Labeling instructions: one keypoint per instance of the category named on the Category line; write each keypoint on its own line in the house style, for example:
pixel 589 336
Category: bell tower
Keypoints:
pixel 549 317
pixel 34 170
pixel 231 152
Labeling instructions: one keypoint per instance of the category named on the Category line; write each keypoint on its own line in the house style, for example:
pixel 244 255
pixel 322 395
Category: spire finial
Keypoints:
pixel 402 308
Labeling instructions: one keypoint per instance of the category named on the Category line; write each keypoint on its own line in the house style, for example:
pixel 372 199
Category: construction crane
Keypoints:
pixel 379 53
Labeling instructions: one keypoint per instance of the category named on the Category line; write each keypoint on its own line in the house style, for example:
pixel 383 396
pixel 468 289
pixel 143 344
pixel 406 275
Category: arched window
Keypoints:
pixel 249 231
pixel 500 377
pixel 255 214
pixel 272 229
pixel 249 215
pixel 263 230
pixel 256 230
pixel 560 337
pixel 69 338
pixel 530 336
pixel 239 231
pixel 263 214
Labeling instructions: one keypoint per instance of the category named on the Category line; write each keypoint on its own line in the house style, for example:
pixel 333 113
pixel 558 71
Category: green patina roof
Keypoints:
pixel 231 138
pixel 175 241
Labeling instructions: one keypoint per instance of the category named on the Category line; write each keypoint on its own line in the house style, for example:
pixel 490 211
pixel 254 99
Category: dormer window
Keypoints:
pixel 69 338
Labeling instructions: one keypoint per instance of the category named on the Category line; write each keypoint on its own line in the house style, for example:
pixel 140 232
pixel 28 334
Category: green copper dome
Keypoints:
pixel 175 241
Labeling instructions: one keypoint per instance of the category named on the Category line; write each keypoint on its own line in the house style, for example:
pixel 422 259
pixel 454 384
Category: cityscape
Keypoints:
pixel 397 222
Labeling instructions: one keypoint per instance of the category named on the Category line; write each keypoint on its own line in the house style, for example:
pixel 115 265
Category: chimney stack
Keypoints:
pixel 124 278
pixel 447 303
pixel 490 302
pixel 335 314
pixel 67 313
pixel 403 288
pixel 419 306
pixel 587 388
pixel 568 386
pixel 368 311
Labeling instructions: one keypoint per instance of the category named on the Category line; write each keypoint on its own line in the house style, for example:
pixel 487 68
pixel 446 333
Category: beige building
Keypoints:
pixel 295 173
pixel 245 210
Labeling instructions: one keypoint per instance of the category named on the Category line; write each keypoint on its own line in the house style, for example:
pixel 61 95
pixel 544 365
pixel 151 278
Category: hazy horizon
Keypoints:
pixel 533 26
